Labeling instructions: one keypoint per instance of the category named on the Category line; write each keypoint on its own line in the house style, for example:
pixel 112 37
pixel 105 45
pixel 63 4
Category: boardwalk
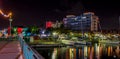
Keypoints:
pixel 10 50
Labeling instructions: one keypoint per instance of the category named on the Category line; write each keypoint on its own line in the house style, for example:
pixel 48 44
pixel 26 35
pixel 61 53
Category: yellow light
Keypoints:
pixel 6 15
pixel 1 12
pixel 10 14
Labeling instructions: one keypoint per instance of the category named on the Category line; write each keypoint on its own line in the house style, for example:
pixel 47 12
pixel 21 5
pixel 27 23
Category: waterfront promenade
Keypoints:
pixel 10 50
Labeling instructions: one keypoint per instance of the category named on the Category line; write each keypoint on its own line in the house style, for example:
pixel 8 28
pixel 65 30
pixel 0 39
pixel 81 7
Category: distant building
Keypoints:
pixel 49 24
pixel 56 24
pixel 86 22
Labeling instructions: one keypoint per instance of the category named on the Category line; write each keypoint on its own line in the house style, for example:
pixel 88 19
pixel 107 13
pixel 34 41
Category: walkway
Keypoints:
pixel 10 50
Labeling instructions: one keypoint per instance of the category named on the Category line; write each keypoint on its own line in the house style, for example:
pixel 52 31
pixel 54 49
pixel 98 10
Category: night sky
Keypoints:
pixel 36 12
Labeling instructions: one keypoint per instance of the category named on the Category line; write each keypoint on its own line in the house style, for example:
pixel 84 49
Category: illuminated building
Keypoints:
pixel 56 24
pixel 87 22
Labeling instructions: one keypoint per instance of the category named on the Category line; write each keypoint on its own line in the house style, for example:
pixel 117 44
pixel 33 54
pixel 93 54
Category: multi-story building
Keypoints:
pixel 86 22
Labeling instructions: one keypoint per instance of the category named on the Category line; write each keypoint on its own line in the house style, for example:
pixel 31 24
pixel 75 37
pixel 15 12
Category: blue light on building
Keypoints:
pixel 85 22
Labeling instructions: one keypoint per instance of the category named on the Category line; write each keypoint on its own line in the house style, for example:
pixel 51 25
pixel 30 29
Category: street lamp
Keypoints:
pixel 9 15
pixel 10 20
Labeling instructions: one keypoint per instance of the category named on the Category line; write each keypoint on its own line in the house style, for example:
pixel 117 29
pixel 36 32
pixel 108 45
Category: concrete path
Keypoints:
pixel 10 50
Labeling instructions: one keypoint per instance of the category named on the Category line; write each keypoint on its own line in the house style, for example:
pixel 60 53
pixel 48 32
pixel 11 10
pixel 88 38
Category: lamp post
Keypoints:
pixel 10 20
pixel 9 15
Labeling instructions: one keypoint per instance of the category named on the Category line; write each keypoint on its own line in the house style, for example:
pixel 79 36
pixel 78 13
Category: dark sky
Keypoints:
pixel 36 12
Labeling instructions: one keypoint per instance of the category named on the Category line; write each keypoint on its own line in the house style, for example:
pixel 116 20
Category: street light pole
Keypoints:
pixel 9 15
pixel 10 20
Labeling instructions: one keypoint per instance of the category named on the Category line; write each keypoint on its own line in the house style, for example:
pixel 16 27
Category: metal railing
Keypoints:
pixel 28 52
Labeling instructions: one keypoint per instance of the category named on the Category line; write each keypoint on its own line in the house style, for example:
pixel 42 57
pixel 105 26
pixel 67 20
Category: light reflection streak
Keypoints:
pixel 87 52
pixel 54 55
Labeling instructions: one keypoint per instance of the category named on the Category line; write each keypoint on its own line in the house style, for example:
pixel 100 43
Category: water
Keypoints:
pixel 96 51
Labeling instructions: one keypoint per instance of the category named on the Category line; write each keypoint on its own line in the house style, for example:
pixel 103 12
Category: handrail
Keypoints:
pixel 28 52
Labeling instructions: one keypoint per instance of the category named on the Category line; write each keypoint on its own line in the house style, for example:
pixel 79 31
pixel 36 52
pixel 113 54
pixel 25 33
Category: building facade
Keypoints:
pixel 85 22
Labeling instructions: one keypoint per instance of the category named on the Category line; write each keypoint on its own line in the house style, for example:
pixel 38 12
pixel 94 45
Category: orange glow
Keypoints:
pixel 117 51
pixel 74 53
pixel 101 50
pixel 1 34
pixel 89 51
pixel 92 53
pixel 9 14
pixel 80 53
pixel 1 12
pixel 67 54
pixel 109 51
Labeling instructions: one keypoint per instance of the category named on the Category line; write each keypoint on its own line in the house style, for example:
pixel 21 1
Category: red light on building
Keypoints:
pixel 19 30
pixel 48 24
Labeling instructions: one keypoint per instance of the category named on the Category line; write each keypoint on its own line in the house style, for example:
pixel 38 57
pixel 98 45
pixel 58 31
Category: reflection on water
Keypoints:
pixel 97 51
